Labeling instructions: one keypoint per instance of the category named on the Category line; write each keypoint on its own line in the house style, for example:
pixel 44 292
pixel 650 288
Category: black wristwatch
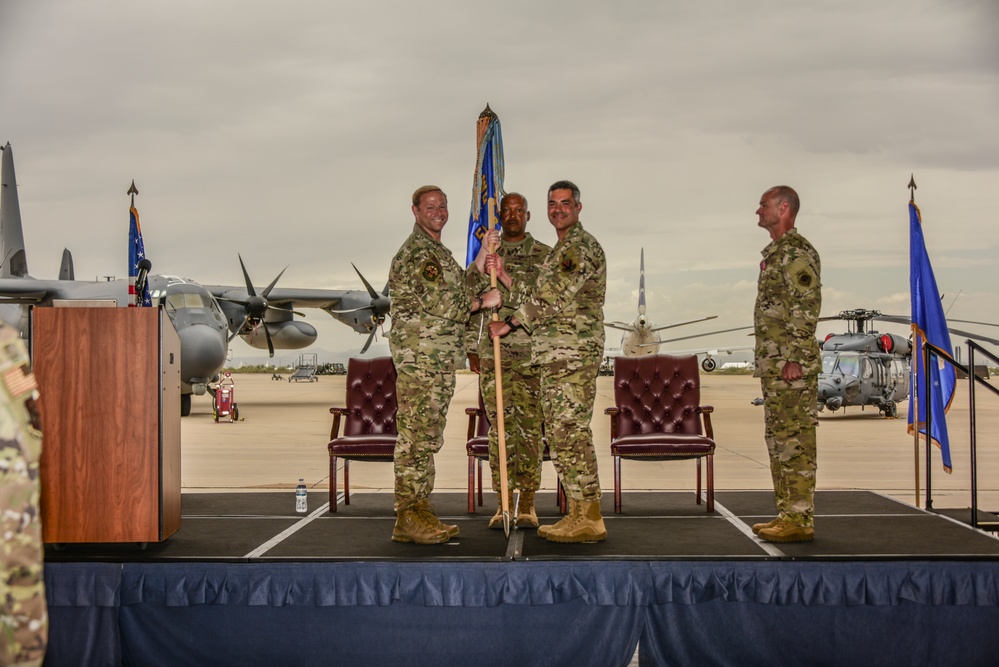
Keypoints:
pixel 509 322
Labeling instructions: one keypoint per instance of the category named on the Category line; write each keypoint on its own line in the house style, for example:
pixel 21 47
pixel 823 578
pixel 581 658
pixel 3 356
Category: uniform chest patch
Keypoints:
pixel 431 270
pixel 763 265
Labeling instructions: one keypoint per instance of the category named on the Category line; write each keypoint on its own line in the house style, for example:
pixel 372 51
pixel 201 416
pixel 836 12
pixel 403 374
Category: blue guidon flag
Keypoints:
pixel 928 325
pixel 136 253
pixel 487 186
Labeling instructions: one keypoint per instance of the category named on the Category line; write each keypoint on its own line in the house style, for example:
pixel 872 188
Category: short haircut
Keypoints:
pixel 784 193
pixel 418 195
pixel 514 194
pixel 565 185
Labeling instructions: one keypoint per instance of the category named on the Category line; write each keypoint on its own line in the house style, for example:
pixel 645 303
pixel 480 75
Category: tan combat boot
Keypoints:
pixel 412 526
pixel 588 526
pixel 785 531
pixel 427 510
pixel 527 517
pixel 570 518
pixel 757 527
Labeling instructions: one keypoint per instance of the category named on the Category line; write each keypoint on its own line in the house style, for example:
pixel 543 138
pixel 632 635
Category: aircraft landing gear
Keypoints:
pixel 709 364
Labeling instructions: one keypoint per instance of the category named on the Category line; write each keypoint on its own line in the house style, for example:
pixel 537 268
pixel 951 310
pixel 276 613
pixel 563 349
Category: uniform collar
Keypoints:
pixel 773 244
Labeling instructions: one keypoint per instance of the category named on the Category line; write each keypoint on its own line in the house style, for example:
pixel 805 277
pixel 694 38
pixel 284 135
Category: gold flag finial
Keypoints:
pixel 487 112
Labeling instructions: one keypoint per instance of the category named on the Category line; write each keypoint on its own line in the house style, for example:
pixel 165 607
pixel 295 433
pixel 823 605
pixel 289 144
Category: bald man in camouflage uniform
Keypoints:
pixel 788 363
pixel 563 312
pixel 23 614
pixel 430 310
pixel 522 257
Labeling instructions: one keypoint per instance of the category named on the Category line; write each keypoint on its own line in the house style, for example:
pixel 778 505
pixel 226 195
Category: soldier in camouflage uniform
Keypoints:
pixel 788 363
pixel 522 256
pixel 563 312
pixel 23 615
pixel 430 310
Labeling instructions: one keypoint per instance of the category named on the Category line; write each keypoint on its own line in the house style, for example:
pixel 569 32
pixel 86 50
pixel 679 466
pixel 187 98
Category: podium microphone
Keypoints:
pixel 144 266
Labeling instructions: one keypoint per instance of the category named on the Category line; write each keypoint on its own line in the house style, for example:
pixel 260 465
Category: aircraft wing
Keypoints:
pixel 355 308
pixel 30 290
pixel 680 324
pixel 711 351
pixel 22 290
pixel 619 325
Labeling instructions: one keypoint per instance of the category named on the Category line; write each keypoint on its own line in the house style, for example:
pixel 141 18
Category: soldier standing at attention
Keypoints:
pixel 522 256
pixel 430 310
pixel 23 614
pixel 563 312
pixel 788 364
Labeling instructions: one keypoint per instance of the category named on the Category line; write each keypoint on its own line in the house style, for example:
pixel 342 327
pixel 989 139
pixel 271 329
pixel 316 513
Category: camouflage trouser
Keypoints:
pixel 423 395
pixel 521 420
pixel 568 389
pixel 23 615
pixel 790 416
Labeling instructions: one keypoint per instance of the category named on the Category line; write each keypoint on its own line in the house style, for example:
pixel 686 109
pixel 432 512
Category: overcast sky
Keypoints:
pixel 294 133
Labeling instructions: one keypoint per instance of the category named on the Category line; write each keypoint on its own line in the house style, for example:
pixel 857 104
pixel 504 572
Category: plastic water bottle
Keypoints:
pixel 301 496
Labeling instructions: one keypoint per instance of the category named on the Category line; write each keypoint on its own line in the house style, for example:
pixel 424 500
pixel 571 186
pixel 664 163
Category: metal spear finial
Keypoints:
pixel 133 191
pixel 912 187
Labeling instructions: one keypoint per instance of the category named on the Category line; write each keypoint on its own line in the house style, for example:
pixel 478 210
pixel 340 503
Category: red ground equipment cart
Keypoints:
pixel 225 402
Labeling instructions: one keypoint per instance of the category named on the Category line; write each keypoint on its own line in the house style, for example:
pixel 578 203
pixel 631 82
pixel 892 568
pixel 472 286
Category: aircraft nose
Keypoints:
pixel 202 353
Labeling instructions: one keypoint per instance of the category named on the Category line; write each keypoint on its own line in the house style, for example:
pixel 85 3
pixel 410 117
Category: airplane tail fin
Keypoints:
pixel 641 286
pixel 13 261
pixel 66 266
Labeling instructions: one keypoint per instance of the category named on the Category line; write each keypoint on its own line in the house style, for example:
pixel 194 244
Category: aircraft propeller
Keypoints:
pixel 379 307
pixel 256 305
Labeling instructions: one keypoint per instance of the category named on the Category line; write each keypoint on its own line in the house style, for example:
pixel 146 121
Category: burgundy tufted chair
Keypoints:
pixel 658 417
pixel 477 448
pixel 369 430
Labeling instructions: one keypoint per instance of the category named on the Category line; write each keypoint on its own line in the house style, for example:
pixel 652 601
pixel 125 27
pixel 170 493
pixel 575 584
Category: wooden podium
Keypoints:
pixel 109 385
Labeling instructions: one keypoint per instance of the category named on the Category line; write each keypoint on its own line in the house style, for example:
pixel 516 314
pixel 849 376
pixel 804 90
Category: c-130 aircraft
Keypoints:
pixel 206 317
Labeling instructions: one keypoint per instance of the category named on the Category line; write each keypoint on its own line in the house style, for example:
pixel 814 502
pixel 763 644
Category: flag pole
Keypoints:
pixel 500 426
pixel 914 375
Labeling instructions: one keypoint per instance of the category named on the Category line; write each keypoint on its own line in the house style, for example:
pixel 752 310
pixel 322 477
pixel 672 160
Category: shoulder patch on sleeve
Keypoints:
pixel 802 275
pixel 431 270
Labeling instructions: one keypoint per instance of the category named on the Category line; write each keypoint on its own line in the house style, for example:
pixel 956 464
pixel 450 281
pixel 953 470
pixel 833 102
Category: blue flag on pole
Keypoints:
pixel 136 252
pixel 487 188
pixel 928 325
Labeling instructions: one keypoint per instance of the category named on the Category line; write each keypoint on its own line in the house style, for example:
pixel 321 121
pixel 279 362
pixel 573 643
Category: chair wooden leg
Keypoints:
pixel 617 485
pixel 333 502
pixel 346 481
pixel 711 482
pixel 471 485
pixel 698 460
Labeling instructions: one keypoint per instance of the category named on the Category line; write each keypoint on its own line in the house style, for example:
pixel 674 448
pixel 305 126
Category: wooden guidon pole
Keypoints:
pixel 500 427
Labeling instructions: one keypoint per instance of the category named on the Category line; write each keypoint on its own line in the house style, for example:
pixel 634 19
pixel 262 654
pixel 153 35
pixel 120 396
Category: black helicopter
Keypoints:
pixel 863 367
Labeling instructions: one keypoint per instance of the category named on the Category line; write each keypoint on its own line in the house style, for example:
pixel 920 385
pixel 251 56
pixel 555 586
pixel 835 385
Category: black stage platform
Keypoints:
pixel 247 527
pixel 247 581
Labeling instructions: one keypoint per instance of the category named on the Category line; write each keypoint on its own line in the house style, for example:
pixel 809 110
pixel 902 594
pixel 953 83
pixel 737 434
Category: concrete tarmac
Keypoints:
pixel 284 428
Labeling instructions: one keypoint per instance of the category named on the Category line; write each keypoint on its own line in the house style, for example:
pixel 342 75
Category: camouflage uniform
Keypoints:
pixel 563 311
pixel 23 615
pixel 787 310
pixel 521 381
pixel 430 307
